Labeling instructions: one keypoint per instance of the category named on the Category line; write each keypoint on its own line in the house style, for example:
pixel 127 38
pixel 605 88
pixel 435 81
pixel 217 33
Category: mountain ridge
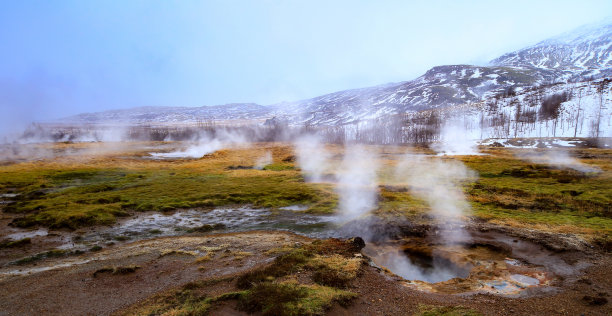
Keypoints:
pixel 585 53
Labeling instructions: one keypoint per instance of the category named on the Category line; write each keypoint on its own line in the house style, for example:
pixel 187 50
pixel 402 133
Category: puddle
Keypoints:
pixel 478 267
pixel 412 264
pixel 524 280
pixel 6 198
pixel 27 234
pixel 295 208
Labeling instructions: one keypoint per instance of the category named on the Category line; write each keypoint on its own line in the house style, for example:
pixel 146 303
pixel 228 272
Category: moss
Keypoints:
pixel 96 194
pixel 116 270
pixel 15 243
pixel 289 298
pixel 206 228
pixel 95 248
pixel 430 310
pixel 54 253
pixel 282 265
pixel 279 167
pixel 178 252
pixel 189 300
pixel 334 270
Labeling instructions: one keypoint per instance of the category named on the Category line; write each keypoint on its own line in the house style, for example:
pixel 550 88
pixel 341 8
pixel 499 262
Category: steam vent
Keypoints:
pixel 293 158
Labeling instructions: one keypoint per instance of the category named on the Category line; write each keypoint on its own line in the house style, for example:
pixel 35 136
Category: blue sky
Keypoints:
pixel 60 58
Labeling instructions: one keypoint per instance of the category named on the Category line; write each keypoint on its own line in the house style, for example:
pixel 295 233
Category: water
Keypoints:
pixel 227 220
pixel 28 234
pixel 524 280
pixel 421 267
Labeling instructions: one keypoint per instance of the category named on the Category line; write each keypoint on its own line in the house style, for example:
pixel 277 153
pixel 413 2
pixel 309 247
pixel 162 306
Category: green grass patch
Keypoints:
pixel 15 243
pixel 430 310
pixel 54 253
pixel 62 197
pixel 292 299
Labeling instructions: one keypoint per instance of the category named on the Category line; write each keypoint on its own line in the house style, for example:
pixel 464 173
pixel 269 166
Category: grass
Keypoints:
pixel 53 253
pixel 513 192
pixel 206 228
pixel 292 299
pixel 430 310
pixel 330 260
pixel 189 300
pixel 335 270
pixel 116 270
pixel 68 194
pixel 72 193
pixel 269 290
pixel 15 243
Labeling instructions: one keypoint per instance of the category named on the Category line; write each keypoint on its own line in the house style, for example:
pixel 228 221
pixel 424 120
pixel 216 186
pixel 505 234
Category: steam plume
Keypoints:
pixel 263 161
pixel 312 157
pixel 455 139
pixel 437 181
pixel 357 185
pixel 558 158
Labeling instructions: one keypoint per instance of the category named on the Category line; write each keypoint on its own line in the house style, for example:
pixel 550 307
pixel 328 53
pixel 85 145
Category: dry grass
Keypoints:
pixel 91 189
pixel 72 193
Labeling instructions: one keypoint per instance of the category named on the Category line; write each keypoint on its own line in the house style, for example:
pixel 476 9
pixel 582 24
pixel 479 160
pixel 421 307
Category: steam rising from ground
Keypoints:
pixel 263 161
pixel 312 157
pixel 438 182
pixel 558 158
pixel 357 184
pixel 401 265
pixel 207 145
pixel 455 139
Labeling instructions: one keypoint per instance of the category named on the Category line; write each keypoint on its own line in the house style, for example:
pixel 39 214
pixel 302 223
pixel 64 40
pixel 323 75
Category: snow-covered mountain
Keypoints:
pixel 441 86
pixel 168 114
pixel 581 55
pixel 585 52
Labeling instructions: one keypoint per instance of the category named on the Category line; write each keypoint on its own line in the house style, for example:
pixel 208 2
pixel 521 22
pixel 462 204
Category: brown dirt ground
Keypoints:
pixel 73 290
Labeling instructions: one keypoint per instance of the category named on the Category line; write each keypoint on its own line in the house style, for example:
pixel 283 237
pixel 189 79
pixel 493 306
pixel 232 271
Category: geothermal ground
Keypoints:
pixel 271 228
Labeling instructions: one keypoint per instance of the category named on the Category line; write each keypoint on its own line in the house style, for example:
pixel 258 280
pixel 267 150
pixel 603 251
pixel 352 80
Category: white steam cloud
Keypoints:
pixel 357 185
pixel 401 265
pixel 263 161
pixel 312 157
pixel 438 182
pixel 207 145
pixel 558 158
pixel 455 139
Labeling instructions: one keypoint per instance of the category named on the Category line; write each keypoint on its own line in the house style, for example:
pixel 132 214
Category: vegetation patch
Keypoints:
pixel 54 253
pixel 206 228
pixel 430 310
pixel 15 243
pixel 335 270
pixel 289 298
pixel 177 252
pixel 73 195
pixel 282 266
pixel 116 270
pixel 190 300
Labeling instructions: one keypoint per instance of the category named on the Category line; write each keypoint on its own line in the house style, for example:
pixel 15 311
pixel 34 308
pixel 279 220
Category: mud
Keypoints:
pixel 164 263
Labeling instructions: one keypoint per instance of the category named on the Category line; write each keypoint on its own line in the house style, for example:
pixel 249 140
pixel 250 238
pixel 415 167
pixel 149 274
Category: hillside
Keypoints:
pixel 548 67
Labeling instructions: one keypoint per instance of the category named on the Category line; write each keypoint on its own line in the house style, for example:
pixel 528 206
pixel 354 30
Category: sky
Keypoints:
pixel 60 58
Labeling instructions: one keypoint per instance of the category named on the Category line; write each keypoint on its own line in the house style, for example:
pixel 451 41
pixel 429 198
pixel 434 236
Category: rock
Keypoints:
pixel 357 243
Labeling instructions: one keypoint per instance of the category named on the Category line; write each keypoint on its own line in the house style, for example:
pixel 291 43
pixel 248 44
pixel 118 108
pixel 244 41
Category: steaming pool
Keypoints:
pixel 490 263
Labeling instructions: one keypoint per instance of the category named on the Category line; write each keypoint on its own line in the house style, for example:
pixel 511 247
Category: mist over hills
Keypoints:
pixel 578 56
